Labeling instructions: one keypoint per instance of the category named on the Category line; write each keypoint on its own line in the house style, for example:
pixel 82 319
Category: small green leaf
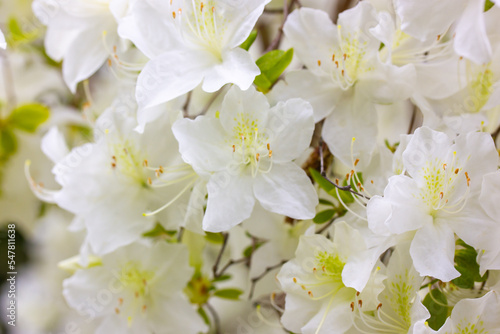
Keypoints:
pixel 204 315
pixel 488 4
pixel 17 34
pixel 233 294
pixel 323 201
pixel 271 66
pixel 8 143
pixel 248 251
pixel 215 238
pixel 221 278
pixel 158 231
pixel 466 264
pixel 249 41
pixel 437 306
pixel 28 117
pixel 324 216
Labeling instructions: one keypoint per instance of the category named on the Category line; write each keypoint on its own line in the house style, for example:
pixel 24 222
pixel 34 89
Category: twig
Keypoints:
pixel 219 256
pixel 323 173
pixel 215 317
pixel 180 234
pixel 327 225
pixel 229 264
pixel 256 279
pixel 277 40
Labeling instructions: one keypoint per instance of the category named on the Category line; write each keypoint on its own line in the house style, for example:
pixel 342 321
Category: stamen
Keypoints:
pixel 319 62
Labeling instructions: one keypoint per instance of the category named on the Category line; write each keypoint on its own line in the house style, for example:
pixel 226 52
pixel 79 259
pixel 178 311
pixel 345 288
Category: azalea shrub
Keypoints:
pixel 250 166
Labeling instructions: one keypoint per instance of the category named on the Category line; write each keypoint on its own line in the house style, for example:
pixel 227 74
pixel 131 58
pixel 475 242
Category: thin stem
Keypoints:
pixel 258 278
pixel 323 173
pixel 215 317
pixel 277 40
pixel 412 121
pixel 186 104
pixel 219 256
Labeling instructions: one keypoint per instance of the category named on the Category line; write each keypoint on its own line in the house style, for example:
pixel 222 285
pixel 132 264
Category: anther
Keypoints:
pixel 352 306
pixel 173 15
pixel 268 146
pixel 201 7
pixel 357 293
pixel 120 301
pixel 145 163
pixel 456 171
pixel 257 156
pixel 342 72
pixel 371 181
pixel 345 56
pixel 144 307
pixel 234 148
pixel 379 306
pixel 333 57
pixel 109 62
pixel 149 181
pixel 438 37
pixel 441 195
pixel 270 153
pixel 113 165
pixel 337 64
pixel 356 162
pixel 310 293
pixel 444 166
pixel 319 62
pixel 294 280
pixel 213 10
pixel 360 303
pixel 117 310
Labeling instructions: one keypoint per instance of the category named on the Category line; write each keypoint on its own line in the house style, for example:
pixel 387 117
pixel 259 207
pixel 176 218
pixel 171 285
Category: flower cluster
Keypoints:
pixel 253 166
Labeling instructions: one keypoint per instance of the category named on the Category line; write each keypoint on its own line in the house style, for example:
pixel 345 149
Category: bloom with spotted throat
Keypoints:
pixel 438 198
pixel 318 300
pixel 137 289
pixel 191 42
pixel 246 153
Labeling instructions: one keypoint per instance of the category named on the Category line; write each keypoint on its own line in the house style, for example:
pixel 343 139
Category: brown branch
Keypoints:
pixel 258 278
pixel 323 173
pixel 219 256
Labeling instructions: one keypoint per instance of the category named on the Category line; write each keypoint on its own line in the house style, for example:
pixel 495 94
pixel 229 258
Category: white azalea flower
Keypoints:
pixel 81 32
pixel 120 185
pixel 344 77
pixel 137 289
pixel 438 198
pixel 429 19
pixel 400 307
pixel 246 152
pixel 317 298
pixel 190 42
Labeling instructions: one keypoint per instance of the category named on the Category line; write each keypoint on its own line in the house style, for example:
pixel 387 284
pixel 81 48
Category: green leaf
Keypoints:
pixel 271 66
pixel 465 263
pixel 215 238
pixel 159 231
pixel 249 41
pixel 325 202
pixel 488 4
pixel 324 216
pixel 17 34
pixel 28 117
pixel 8 143
pixel 204 315
pixel 233 294
pixel 221 278
pixel 248 251
pixel 437 306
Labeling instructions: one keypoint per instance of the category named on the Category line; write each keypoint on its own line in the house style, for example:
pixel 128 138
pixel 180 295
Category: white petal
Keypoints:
pixel 317 90
pixel 202 142
pixel 54 145
pixel 292 125
pixel 170 75
pixel 312 34
pixel 3 44
pixel 237 67
pixel 287 190
pixel 471 40
pixel 432 251
pixel 354 117
pixel 230 201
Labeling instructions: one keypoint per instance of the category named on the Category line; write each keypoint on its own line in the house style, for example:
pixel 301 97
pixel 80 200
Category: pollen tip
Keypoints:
pixel 310 293
pixel 319 62
pixel 294 280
